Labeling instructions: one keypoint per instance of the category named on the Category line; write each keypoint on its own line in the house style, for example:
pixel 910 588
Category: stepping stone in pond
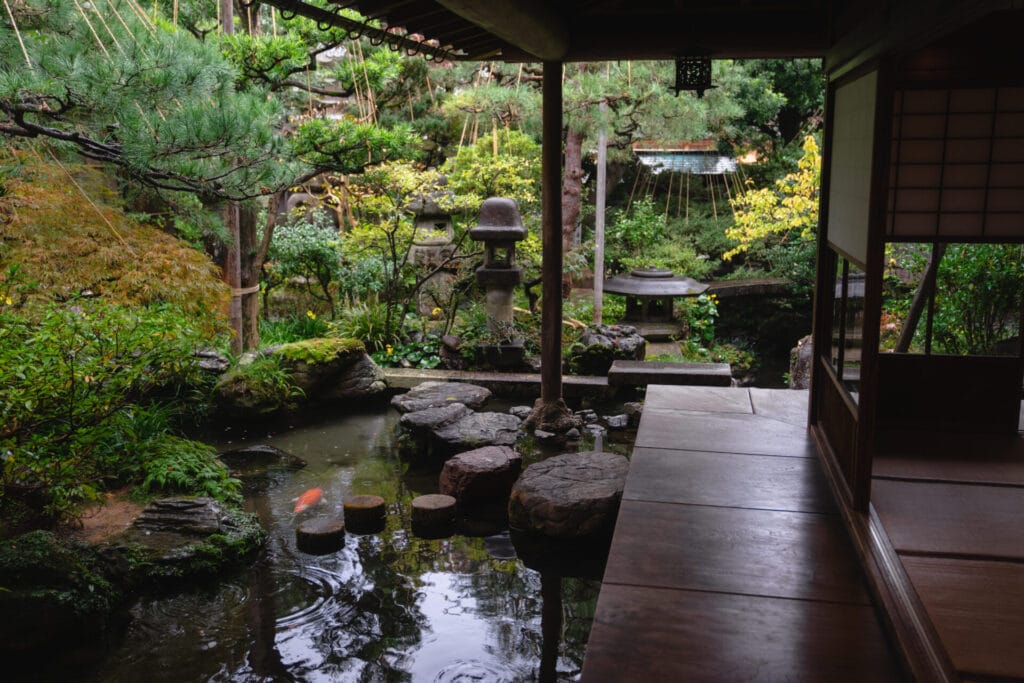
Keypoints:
pixel 481 475
pixel 365 514
pixel 437 394
pixel 259 459
pixel 522 412
pixel 428 419
pixel 477 430
pixel 433 515
pixel 320 536
pixel 569 496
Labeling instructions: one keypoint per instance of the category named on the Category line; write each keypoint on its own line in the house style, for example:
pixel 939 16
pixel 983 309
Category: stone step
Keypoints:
pixel 632 372
pixel 503 384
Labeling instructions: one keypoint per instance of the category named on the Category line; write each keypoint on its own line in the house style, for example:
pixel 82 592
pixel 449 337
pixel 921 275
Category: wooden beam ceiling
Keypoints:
pixel 529 25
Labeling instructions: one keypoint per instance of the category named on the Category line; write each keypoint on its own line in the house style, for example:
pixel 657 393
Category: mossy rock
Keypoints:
pixel 55 590
pixel 320 350
pixel 50 589
pixel 600 345
pixel 179 539
pixel 309 372
pixel 256 390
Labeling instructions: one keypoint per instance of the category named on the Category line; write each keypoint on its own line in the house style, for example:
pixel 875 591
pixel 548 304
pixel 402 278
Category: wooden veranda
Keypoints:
pixel 730 561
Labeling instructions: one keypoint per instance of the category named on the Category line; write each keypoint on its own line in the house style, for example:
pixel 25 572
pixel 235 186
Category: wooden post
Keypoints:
pixel 602 180
pixel 551 220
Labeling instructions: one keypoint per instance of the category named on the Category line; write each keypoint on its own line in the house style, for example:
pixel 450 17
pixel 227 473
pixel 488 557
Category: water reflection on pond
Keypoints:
pixel 387 607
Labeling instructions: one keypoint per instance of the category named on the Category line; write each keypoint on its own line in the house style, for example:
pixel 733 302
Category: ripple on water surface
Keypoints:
pixel 389 606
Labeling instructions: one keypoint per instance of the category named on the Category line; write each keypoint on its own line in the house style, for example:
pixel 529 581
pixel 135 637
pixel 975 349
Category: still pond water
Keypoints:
pixel 387 607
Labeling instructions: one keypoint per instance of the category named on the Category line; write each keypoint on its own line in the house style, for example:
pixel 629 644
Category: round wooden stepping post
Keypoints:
pixel 433 516
pixel 365 514
pixel 320 536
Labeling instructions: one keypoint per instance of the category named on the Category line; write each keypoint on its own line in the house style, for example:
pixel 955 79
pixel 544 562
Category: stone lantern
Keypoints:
pixel 499 228
pixel 432 246
pixel 649 296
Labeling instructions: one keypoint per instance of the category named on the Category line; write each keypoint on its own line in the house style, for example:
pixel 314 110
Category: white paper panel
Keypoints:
pixel 853 127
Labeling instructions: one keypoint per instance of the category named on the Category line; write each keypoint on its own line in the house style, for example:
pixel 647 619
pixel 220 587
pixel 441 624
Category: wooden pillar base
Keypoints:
pixel 552 416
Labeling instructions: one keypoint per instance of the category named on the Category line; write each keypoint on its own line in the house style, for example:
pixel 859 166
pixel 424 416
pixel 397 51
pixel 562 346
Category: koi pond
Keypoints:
pixel 387 607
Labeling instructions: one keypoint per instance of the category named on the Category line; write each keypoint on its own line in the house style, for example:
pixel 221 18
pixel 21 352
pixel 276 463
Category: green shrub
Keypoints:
pixel 305 249
pixel 631 233
pixel 978 297
pixel 366 322
pixel 741 360
pixel 292 328
pixel 699 314
pixel 681 259
pixel 74 377
pixel 176 465
pixel 263 384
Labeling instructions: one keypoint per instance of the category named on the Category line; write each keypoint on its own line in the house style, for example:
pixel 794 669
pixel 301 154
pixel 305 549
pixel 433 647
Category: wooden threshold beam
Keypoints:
pixel 903 613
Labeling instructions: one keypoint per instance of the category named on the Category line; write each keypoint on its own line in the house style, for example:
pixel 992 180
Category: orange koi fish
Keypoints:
pixel 309 499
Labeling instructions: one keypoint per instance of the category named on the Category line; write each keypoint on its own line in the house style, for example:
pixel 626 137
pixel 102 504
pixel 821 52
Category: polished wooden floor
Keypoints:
pixel 952 506
pixel 730 561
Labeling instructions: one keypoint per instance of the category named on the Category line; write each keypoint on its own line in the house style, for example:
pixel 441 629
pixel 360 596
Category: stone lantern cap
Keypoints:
pixel 499 222
pixel 654 282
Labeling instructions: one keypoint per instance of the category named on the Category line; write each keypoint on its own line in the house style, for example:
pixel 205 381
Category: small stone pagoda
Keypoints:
pixel 432 249
pixel 650 296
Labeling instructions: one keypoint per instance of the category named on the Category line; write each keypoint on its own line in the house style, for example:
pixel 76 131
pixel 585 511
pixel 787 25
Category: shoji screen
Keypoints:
pixel 853 129
pixel 957 165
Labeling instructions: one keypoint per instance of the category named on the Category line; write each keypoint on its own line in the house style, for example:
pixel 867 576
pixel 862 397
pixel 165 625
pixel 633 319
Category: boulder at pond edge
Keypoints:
pixel 310 372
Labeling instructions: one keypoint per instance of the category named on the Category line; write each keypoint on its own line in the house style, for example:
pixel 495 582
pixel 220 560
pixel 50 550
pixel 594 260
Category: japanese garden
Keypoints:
pixel 272 325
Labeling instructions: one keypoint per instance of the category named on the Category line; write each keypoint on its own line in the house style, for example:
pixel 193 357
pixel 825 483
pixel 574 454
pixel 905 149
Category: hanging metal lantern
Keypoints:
pixel 693 73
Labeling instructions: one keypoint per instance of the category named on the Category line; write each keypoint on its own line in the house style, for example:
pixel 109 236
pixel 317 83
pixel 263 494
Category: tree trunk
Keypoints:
pixel 227 16
pixel 572 193
pixel 233 275
pixel 250 277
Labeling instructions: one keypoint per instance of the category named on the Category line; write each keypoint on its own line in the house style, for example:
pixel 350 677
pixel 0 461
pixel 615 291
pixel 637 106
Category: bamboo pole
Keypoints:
pixel 106 26
pixel 636 182
pixel 714 206
pixel 371 102
pixel 679 195
pixel 430 91
pixel 687 199
pixel 17 33
pixel 725 181
pixel 113 8
pixel 463 136
pixel 668 196
pixel 92 30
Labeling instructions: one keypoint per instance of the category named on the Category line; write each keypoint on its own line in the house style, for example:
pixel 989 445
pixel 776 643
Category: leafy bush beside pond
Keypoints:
pixel 87 388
